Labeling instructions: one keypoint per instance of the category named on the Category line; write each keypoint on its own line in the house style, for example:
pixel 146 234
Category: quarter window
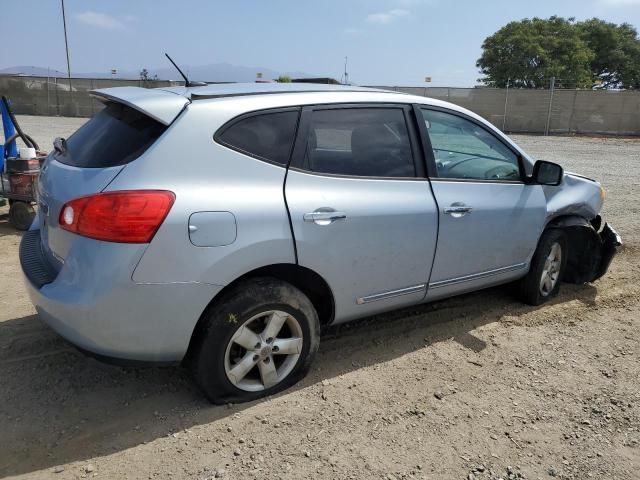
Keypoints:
pixel 267 135
pixel 369 142
pixel 464 150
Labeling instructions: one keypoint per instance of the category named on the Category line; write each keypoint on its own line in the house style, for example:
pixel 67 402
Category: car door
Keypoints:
pixel 362 212
pixel 490 219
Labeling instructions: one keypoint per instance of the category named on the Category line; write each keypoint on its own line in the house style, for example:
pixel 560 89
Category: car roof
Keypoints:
pixel 222 90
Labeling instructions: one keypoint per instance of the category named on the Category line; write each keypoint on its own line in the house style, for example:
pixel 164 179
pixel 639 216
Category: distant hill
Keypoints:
pixel 217 72
pixel 33 71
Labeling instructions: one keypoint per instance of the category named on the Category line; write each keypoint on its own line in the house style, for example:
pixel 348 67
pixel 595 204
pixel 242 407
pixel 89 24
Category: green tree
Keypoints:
pixel 283 79
pixel 529 52
pixel 145 76
pixel 616 53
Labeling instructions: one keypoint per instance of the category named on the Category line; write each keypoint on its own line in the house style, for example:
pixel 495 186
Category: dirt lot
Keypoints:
pixel 477 385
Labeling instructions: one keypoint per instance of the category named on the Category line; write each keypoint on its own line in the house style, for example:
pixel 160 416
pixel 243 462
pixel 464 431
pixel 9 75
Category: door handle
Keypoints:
pixel 457 210
pixel 324 216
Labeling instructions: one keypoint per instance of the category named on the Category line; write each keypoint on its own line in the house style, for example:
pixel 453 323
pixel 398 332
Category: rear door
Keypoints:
pixel 490 219
pixel 361 208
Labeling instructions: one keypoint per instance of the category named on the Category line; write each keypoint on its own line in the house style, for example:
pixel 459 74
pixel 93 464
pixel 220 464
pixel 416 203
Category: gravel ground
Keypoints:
pixel 475 387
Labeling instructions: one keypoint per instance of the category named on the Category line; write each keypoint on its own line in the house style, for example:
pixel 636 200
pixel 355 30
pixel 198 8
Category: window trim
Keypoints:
pixel 428 148
pixel 256 113
pixel 299 149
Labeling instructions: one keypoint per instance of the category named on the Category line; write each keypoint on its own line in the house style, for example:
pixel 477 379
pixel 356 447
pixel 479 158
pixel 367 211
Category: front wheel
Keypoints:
pixel 259 339
pixel 547 268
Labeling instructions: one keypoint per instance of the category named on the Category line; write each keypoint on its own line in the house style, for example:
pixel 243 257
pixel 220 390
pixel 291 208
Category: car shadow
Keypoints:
pixel 58 406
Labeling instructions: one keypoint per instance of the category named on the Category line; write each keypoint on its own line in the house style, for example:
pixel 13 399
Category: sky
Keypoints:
pixel 387 42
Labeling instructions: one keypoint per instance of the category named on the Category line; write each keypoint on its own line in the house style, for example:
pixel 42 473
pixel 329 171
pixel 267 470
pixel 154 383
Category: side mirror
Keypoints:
pixel 547 173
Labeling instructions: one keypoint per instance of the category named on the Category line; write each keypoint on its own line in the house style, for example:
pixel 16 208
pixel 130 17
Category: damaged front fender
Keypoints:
pixel 589 252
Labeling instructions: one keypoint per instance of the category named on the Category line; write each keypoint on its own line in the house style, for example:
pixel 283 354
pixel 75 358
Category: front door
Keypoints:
pixel 362 211
pixel 490 220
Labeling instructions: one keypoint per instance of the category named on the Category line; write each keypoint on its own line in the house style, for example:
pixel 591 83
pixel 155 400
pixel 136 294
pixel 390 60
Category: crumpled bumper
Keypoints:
pixel 610 242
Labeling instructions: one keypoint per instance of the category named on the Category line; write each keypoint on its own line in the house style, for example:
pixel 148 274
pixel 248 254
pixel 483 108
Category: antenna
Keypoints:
pixel 187 82
pixel 346 74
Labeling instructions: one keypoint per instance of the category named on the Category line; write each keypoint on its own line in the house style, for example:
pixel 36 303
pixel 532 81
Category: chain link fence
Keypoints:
pixel 552 111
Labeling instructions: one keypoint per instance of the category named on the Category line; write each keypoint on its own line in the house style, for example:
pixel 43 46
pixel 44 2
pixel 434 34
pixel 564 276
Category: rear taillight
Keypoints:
pixel 128 216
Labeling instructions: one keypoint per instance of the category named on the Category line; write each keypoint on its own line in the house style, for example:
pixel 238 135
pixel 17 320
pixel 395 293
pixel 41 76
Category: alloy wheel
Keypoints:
pixel 263 351
pixel 551 270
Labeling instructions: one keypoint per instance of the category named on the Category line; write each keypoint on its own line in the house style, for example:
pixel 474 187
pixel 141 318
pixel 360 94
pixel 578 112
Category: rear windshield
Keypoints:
pixel 115 136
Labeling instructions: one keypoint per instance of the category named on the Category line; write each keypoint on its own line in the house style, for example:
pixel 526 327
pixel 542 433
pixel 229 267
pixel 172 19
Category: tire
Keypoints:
pixel 531 288
pixel 21 215
pixel 255 307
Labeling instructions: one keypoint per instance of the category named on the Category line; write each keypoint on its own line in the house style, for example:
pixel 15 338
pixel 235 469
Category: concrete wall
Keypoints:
pixel 512 110
pixel 52 96
pixel 599 112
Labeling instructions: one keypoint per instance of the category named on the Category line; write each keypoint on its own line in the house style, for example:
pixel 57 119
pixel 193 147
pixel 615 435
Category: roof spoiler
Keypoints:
pixel 161 105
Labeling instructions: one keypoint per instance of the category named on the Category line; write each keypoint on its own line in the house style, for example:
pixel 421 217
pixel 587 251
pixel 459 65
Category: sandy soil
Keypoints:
pixel 478 386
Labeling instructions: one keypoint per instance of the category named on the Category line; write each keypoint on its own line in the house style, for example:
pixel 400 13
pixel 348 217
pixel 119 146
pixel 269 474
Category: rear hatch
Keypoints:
pixel 132 120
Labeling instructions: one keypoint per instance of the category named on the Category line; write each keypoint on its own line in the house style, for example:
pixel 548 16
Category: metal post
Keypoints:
pixel 573 109
pixel 506 102
pixel 55 80
pixel 48 95
pixel 553 85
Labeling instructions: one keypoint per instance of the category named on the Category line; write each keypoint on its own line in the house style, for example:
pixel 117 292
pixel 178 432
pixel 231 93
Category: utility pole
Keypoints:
pixel 66 46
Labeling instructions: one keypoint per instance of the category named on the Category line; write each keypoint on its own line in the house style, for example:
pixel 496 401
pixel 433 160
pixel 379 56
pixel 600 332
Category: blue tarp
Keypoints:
pixel 9 130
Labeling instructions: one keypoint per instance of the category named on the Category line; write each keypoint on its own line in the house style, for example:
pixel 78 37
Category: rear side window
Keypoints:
pixel 115 136
pixel 268 136
pixel 366 142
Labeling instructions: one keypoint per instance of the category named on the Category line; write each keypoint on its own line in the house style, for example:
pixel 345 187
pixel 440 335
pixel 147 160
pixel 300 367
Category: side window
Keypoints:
pixel 268 136
pixel 465 150
pixel 367 142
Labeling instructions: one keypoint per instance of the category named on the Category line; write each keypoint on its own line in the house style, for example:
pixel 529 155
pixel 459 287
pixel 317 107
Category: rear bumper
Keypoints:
pixel 93 303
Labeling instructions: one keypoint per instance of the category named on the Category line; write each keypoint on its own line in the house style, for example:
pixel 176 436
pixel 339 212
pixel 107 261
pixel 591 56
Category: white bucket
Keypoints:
pixel 27 153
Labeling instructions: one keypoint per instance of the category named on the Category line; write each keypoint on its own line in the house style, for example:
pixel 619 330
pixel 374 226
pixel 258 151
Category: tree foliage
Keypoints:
pixel 587 54
pixel 283 79
pixel 145 76
pixel 616 50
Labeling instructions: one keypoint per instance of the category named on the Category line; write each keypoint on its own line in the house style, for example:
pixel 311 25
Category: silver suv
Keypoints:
pixel 223 226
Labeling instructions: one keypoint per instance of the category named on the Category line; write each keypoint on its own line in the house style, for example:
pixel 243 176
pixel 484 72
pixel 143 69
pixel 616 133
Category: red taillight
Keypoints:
pixel 128 216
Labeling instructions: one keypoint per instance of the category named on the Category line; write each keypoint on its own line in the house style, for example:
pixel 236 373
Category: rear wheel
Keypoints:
pixel 258 340
pixel 547 268
pixel 21 215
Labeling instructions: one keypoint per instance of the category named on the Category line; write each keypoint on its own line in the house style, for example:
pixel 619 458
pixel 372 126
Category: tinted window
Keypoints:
pixel 116 135
pixel 370 142
pixel 267 135
pixel 463 149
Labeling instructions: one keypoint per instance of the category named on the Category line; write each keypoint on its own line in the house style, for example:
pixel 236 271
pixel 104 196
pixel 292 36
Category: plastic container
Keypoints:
pixel 27 153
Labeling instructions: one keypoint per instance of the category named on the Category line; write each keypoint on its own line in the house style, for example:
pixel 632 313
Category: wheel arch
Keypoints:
pixel 583 244
pixel 313 285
